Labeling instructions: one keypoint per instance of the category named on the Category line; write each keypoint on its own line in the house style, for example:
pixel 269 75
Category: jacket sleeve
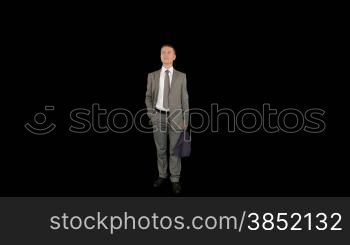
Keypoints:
pixel 184 101
pixel 148 100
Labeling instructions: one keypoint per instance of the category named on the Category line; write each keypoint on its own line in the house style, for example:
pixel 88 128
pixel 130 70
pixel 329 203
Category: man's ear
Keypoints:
pixel 174 56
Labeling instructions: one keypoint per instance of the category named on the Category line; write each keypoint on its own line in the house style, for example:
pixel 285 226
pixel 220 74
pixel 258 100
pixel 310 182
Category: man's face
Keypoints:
pixel 167 55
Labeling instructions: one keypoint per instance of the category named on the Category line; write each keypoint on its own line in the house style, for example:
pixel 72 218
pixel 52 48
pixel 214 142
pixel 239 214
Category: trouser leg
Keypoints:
pixel 174 161
pixel 160 139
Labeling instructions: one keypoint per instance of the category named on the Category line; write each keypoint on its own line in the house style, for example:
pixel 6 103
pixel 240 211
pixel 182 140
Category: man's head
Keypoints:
pixel 167 55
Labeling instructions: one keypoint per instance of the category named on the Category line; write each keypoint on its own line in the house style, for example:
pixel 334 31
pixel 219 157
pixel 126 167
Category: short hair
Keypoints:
pixel 168 45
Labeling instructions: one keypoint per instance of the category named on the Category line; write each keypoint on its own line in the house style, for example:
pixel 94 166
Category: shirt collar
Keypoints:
pixel 171 69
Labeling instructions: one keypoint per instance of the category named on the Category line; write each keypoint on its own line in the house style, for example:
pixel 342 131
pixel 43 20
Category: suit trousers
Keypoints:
pixel 161 132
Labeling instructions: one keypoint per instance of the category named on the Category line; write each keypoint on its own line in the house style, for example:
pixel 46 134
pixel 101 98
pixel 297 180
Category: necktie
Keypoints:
pixel 166 90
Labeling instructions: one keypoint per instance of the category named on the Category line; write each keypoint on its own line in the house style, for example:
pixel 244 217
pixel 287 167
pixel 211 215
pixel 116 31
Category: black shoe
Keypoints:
pixel 160 181
pixel 176 188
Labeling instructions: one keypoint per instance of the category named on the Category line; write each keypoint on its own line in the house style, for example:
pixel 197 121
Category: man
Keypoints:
pixel 167 108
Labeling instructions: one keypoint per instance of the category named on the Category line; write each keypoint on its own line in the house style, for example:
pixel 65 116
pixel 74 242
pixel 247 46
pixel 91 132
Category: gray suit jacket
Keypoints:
pixel 178 98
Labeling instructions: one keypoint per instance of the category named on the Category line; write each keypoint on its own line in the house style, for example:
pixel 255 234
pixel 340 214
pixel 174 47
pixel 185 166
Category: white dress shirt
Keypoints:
pixel 159 104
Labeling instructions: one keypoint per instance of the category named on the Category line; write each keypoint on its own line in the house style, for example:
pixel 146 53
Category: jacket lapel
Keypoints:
pixel 157 78
pixel 156 87
pixel 174 79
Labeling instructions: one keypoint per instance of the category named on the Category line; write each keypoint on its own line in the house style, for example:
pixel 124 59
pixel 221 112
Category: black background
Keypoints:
pixel 239 59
